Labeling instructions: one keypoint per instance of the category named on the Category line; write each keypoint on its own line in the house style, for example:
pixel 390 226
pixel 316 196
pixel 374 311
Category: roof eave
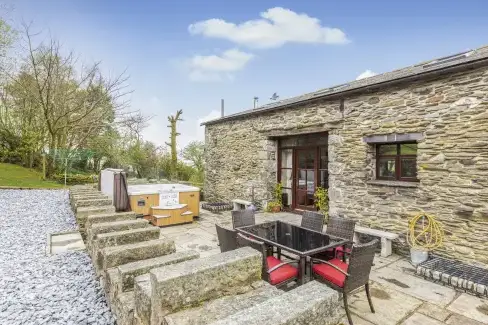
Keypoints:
pixel 425 75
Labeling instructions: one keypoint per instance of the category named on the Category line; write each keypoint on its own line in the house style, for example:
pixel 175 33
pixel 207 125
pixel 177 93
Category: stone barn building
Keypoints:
pixel 386 147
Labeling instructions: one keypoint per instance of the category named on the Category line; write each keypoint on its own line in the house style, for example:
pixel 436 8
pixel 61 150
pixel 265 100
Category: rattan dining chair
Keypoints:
pixel 242 218
pixel 342 228
pixel 275 271
pixel 227 238
pixel 346 277
pixel 313 220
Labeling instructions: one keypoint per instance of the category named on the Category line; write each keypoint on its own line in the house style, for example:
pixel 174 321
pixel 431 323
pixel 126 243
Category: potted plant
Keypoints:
pixel 321 197
pixel 425 233
pixel 277 203
pixel 273 206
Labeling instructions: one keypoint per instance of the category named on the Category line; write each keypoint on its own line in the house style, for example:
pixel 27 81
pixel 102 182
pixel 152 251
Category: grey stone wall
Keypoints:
pixel 452 159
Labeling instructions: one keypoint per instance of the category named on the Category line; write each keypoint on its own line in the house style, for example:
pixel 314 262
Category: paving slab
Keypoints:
pixel 356 320
pixel 434 311
pixel 391 306
pixel 380 261
pixel 403 265
pixel 456 319
pixel 471 307
pixel 62 242
pixel 420 319
pixel 414 286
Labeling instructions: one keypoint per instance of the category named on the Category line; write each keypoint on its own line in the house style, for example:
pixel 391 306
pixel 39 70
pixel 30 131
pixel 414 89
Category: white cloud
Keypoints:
pixel 366 74
pixel 218 67
pixel 276 27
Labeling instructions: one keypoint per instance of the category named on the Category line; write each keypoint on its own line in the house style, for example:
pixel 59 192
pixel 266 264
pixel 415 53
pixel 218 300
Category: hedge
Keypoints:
pixel 75 179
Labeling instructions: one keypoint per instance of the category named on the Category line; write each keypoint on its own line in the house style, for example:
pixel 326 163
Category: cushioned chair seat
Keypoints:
pixel 281 274
pixel 340 251
pixel 331 274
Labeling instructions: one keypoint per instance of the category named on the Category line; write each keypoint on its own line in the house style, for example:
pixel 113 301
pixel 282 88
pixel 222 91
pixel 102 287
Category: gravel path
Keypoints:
pixel 40 289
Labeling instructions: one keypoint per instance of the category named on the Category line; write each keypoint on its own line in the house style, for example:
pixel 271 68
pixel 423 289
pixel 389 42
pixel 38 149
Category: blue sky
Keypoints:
pixel 240 49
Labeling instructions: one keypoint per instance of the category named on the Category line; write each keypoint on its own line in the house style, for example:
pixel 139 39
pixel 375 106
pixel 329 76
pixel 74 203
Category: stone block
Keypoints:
pixel 107 227
pixel 123 308
pixel 82 213
pixel 109 217
pixel 142 294
pixel 92 202
pixel 128 272
pixel 117 255
pixel 313 303
pixel 188 284
pixel 221 308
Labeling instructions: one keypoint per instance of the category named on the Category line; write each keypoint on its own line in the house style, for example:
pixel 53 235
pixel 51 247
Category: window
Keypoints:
pixel 396 162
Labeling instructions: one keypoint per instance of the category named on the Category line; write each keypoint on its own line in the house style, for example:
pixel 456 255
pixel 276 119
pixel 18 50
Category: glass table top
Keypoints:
pixel 295 238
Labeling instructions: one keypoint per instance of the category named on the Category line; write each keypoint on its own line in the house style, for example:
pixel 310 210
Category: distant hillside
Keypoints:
pixel 18 176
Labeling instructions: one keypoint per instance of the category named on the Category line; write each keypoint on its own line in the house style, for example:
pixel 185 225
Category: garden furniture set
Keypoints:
pixel 329 257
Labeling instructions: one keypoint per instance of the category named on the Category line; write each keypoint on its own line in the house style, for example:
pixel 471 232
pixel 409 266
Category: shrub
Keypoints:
pixel 322 200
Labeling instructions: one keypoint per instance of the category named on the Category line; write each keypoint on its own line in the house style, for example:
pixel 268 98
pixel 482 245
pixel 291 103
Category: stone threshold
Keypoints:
pixel 393 183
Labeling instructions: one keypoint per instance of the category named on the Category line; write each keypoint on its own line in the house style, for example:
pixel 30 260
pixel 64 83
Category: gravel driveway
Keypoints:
pixel 40 289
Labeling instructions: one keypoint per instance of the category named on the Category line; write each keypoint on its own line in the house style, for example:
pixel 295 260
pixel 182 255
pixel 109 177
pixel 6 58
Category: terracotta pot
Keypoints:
pixel 276 208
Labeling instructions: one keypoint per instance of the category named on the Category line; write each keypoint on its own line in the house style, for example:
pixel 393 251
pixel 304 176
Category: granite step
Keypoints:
pixel 224 307
pixel 186 284
pixel 123 308
pixel 82 213
pixel 142 294
pixel 74 198
pixel 121 279
pixel 109 257
pixel 109 217
pixel 313 303
pixel 106 227
pixel 92 202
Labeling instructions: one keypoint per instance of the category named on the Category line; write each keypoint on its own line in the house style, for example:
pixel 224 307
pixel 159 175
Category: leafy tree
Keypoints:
pixel 194 152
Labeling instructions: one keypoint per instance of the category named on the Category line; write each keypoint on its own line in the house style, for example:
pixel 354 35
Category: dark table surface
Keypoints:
pixel 293 238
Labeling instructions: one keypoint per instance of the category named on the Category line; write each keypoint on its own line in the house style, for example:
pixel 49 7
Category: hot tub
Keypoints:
pixel 154 199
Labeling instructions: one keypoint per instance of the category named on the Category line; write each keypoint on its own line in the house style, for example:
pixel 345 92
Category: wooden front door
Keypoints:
pixel 302 167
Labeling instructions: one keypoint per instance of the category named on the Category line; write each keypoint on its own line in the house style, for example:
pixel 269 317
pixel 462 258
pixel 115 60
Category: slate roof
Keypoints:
pixel 423 69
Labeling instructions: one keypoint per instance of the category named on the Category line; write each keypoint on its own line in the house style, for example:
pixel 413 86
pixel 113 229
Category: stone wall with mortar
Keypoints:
pixel 451 112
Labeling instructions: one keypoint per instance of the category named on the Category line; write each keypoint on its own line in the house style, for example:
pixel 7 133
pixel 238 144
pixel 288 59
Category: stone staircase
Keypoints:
pixel 148 282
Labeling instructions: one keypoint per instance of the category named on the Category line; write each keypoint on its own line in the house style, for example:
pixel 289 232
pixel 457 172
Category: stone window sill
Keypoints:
pixel 393 183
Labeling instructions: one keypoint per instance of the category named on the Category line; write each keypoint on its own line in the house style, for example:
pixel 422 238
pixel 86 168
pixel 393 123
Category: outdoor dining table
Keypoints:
pixel 297 240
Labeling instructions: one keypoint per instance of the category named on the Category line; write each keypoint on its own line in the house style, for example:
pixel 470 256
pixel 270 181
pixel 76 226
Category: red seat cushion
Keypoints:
pixel 331 274
pixel 281 274
pixel 340 250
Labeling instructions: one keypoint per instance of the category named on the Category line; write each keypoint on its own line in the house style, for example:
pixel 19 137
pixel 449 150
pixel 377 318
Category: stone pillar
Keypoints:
pixel 268 171
pixel 336 168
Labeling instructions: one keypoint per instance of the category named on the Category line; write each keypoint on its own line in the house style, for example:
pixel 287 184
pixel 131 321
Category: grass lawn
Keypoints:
pixel 18 176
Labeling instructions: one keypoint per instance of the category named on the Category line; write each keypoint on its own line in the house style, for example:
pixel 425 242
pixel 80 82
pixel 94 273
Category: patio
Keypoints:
pixel 399 296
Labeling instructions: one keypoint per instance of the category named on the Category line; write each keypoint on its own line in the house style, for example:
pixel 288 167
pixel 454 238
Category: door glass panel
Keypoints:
pixel 409 168
pixel 286 158
pixel 286 177
pixel 310 181
pixel 323 158
pixel 323 179
pixel 302 179
pixel 386 168
pixel 287 197
pixel 310 159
